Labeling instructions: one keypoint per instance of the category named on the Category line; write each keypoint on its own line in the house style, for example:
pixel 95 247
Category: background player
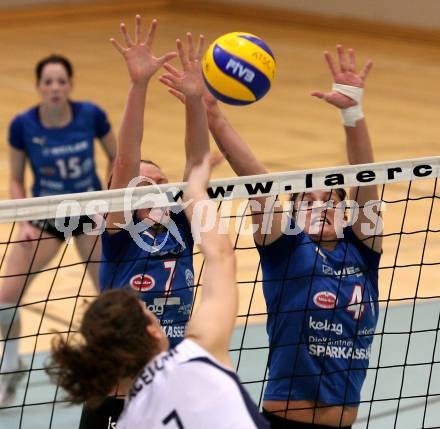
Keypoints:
pixel 57 138
pixel 160 267
pixel 321 291
pixel 190 386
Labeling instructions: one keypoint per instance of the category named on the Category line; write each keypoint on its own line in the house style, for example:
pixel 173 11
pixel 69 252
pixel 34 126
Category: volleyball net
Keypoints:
pixel 402 388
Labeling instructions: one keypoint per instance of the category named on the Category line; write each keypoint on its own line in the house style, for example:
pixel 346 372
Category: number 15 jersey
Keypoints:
pixel 62 159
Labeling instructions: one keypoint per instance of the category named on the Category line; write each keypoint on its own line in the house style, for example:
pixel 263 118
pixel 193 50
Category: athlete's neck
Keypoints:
pixel 329 245
pixel 55 117
pixel 123 387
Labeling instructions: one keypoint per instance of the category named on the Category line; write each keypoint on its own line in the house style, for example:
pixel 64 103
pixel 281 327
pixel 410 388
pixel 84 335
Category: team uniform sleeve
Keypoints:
pixel 16 138
pixel 101 122
pixel 279 248
pixel 113 244
pixel 371 257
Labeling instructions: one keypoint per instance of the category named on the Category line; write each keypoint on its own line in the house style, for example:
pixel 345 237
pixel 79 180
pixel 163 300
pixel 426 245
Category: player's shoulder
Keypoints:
pixel 85 108
pixel 358 245
pixel 23 118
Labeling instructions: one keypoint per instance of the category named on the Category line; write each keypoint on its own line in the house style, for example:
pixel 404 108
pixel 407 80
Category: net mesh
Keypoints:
pixel 402 388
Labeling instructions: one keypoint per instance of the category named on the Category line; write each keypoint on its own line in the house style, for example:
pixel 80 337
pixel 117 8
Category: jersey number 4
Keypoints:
pixel 356 307
pixel 173 417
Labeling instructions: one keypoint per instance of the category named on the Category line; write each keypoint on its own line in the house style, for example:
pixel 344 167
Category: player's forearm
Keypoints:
pixel 196 131
pixel 235 150
pixel 128 154
pixel 359 148
pixel 16 189
pixel 360 151
pixel 201 213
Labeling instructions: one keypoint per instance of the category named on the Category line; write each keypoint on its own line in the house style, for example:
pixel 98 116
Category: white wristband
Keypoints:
pixel 350 115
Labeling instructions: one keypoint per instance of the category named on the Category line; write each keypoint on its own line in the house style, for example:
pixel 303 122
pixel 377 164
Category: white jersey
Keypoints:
pixel 186 388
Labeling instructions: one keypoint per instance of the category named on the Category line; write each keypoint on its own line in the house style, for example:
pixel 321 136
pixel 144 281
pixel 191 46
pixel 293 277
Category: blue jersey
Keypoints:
pixel 163 278
pixel 62 159
pixel 322 314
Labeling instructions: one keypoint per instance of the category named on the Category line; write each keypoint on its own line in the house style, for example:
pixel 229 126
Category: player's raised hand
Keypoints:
pixel 187 82
pixel 200 174
pixel 346 74
pixel 138 54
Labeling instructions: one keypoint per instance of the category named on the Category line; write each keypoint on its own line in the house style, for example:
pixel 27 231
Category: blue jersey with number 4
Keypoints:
pixel 322 313
pixel 62 159
pixel 162 273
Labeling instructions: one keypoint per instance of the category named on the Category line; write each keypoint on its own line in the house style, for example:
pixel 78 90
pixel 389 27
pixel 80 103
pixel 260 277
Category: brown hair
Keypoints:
pixel 114 345
pixel 53 59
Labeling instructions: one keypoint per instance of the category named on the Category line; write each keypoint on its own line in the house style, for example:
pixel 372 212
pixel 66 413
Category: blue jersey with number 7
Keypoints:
pixel 62 159
pixel 156 263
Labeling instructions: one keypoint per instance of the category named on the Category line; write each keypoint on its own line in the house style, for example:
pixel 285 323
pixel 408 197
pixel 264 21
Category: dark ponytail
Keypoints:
pixel 113 345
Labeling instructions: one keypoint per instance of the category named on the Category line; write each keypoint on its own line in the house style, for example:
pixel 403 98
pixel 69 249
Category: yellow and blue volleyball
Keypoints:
pixel 239 68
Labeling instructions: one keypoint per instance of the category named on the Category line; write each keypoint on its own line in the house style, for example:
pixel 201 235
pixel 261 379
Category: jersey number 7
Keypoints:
pixel 173 417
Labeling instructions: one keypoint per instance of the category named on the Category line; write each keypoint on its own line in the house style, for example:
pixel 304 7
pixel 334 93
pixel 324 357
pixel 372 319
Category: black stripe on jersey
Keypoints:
pixel 259 420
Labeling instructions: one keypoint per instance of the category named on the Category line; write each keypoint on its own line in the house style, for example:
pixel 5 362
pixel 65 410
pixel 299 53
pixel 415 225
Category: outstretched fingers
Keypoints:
pixel 364 73
pixel 200 47
pixel 117 45
pixel 318 94
pixel 190 43
pixel 177 94
pixel 169 80
pixel 166 57
pixel 151 33
pixel 351 60
pixel 125 35
pixel 137 29
pixel 172 70
pixel 331 64
pixel 341 56
pixel 181 52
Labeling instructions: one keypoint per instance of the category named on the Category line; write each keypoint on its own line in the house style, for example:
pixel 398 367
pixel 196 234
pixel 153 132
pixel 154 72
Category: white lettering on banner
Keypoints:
pixel 284 183
pixel 325 326
pixel 340 352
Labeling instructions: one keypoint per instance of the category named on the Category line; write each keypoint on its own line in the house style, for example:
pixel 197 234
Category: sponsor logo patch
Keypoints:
pixel 325 299
pixel 142 282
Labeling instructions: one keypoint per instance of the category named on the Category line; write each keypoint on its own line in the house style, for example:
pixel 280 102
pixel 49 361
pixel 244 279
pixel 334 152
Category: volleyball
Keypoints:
pixel 239 68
